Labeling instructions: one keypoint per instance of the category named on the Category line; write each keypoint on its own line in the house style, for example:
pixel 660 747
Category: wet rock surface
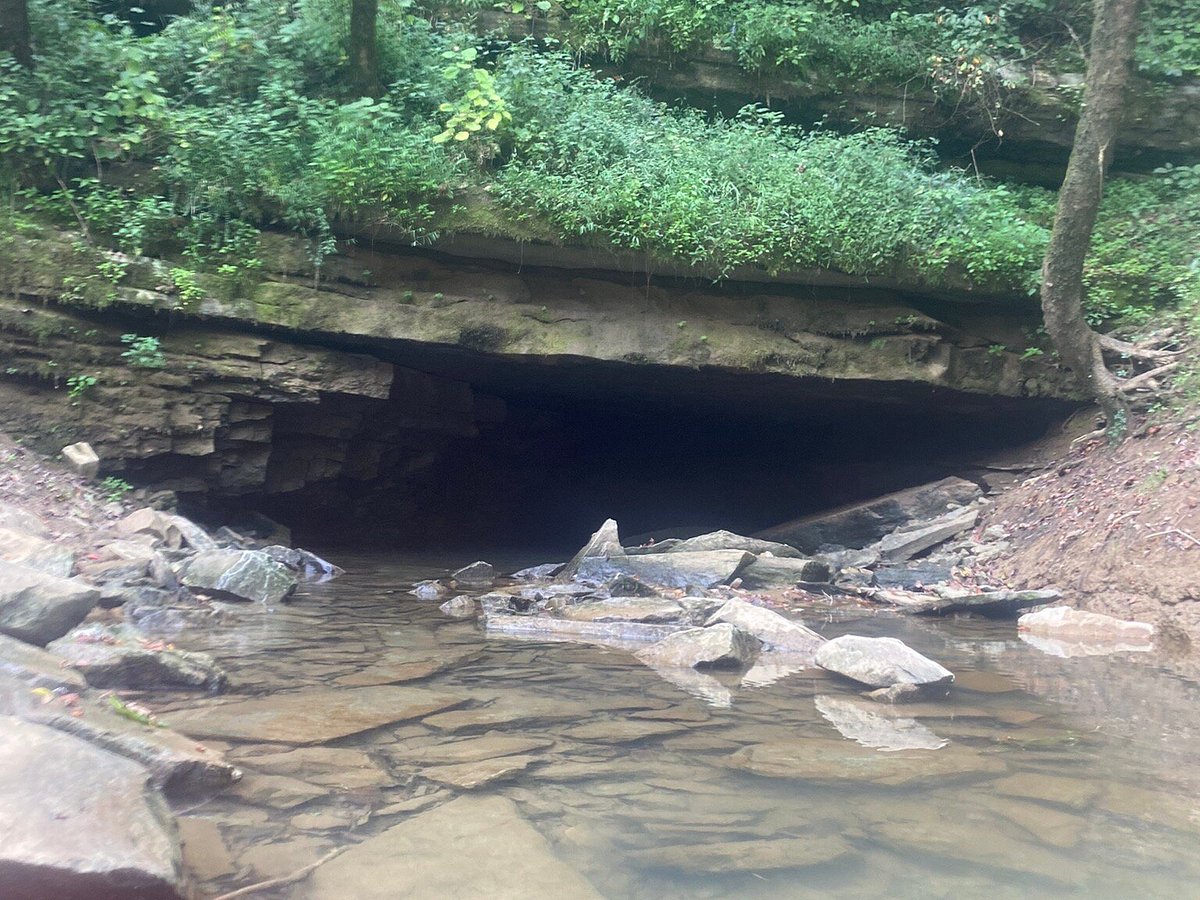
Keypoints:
pixel 239 575
pixel 38 608
pixel 80 823
pixel 881 663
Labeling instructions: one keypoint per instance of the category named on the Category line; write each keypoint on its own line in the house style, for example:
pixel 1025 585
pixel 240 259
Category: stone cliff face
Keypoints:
pixel 397 360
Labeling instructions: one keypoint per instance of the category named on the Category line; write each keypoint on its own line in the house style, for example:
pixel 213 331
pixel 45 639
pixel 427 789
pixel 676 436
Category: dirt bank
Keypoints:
pixel 1117 529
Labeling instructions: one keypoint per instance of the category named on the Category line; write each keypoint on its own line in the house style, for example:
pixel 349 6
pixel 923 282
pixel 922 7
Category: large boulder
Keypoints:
pixel 478 574
pixel 881 663
pixel 36 552
pixel 863 523
pixel 306 566
pixel 38 608
pixel 727 540
pixel 239 575
pixel 770 627
pixel 117 657
pixel 175 763
pixel 605 543
pixel 156 525
pixel 701 569
pixel 79 823
pixel 81 459
pixel 36 667
pixel 192 534
pixel 715 646
pixel 774 571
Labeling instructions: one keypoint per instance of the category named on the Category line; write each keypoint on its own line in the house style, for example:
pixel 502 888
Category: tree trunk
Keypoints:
pixel 1114 30
pixel 14 31
pixel 364 51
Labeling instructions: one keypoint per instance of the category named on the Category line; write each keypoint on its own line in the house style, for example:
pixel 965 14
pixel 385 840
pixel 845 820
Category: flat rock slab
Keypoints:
pixel 744 856
pixel 554 628
pixel 402 670
pixel 78 822
pixel 495 853
pixel 37 608
pixel 1074 793
pixel 702 569
pixel 993 604
pixel 116 657
pixel 488 746
pixel 37 667
pixel 775 631
pixel 624 731
pixel 907 542
pixel 843 762
pixel 470 775
pixel 863 523
pixel 312 716
pixel 175 763
pixel 628 609
pixel 880 662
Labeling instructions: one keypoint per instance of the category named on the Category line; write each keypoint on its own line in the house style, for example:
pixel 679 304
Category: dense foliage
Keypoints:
pixel 188 140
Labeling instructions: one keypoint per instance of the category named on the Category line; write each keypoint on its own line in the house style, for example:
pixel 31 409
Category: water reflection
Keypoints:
pixel 1039 775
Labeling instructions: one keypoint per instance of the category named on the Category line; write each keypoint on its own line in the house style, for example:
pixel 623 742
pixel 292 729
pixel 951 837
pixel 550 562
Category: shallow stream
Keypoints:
pixel 1037 776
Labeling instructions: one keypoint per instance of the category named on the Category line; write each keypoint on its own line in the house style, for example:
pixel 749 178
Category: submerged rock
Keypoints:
pixel 744 856
pixel 78 822
pixel 37 608
pixel 715 646
pixel 605 543
pixel 239 575
pixel 312 716
pixel 36 553
pixel 775 631
pixel 816 760
pixel 499 854
pixel 701 569
pixel 880 662
pixel 115 656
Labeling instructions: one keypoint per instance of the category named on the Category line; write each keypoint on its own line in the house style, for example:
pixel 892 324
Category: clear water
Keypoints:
pixel 1082 774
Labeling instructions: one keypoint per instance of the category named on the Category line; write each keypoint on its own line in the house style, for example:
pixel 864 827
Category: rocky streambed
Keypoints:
pixel 702 716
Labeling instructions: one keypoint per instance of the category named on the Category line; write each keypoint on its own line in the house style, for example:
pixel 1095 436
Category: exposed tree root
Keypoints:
pixel 283 880
pixel 1136 351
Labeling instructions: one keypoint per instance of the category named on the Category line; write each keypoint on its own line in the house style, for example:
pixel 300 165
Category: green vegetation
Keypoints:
pixel 143 352
pixel 114 488
pixel 79 385
pixel 185 143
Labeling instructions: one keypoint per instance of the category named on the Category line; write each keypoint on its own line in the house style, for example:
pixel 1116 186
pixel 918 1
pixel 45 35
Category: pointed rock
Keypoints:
pixel 880 662
pixel 605 543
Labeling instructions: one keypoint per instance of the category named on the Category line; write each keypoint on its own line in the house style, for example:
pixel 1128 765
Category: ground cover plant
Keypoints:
pixel 185 141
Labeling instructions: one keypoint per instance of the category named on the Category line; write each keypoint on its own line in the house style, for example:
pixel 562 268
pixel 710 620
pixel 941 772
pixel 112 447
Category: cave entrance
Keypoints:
pixel 480 451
